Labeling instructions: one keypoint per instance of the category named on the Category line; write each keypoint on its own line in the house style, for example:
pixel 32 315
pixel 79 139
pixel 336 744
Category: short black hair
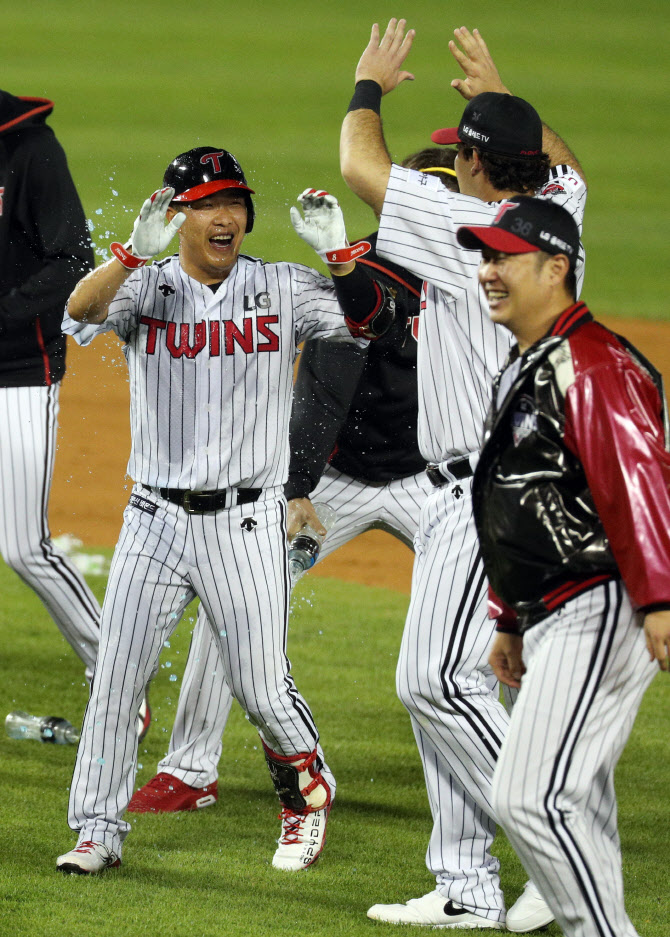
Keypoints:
pixel 508 174
pixel 570 281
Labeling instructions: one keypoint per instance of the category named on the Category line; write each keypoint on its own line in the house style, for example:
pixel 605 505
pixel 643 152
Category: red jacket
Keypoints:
pixel 573 483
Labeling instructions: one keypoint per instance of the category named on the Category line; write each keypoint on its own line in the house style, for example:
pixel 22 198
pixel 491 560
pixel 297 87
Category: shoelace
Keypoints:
pixel 87 846
pixel 292 826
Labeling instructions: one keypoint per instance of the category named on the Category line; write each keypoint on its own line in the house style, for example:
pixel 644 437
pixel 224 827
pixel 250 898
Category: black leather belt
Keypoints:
pixel 459 468
pixel 202 502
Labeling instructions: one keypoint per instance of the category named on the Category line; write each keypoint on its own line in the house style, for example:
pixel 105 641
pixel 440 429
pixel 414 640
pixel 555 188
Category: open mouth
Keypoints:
pixel 221 242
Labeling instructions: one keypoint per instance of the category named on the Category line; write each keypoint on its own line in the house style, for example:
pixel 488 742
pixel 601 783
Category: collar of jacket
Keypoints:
pixel 568 321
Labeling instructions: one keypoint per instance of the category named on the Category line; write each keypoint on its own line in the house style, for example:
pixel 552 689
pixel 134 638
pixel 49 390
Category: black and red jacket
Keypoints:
pixel 573 483
pixel 45 246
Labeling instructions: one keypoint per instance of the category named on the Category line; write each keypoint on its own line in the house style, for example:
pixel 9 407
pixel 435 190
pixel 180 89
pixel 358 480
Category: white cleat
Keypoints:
pixel 433 910
pixel 302 838
pixel 87 858
pixel 529 912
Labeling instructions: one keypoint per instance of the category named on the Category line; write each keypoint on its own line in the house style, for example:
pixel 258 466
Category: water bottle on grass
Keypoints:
pixel 52 729
pixel 304 548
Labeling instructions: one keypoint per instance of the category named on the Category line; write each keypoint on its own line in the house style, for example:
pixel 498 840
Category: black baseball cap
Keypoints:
pixel 498 123
pixel 525 224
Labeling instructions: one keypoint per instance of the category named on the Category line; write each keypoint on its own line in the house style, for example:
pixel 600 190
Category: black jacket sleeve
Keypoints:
pixel 52 221
pixel 328 375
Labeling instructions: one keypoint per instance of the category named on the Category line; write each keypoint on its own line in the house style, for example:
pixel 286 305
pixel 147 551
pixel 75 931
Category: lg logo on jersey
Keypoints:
pixel 231 337
pixel 259 301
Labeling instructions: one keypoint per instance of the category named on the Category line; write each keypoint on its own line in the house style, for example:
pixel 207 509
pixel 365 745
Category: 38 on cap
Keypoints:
pixel 524 224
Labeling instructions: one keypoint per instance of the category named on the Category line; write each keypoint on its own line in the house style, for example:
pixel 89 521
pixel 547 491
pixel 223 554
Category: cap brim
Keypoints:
pixel 207 188
pixel 448 135
pixel 473 239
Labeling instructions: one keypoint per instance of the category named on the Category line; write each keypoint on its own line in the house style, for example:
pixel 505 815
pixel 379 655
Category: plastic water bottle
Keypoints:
pixel 305 546
pixel 53 729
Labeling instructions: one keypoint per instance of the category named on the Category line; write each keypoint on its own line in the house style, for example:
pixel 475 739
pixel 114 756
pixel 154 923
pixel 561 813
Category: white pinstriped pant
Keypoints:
pixel 444 680
pixel 587 670
pixel 164 558
pixel 204 699
pixel 29 421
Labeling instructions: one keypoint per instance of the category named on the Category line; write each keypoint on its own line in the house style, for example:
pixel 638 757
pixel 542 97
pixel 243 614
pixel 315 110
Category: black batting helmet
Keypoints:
pixel 204 170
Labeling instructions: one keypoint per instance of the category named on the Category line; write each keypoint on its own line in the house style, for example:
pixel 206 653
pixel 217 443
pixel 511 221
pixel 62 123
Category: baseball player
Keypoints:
pixel 210 337
pixel 571 499
pixel 443 676
pixel 353 446
pixel 45 248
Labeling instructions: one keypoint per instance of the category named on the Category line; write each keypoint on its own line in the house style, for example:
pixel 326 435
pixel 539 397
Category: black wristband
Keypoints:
pixel 367 95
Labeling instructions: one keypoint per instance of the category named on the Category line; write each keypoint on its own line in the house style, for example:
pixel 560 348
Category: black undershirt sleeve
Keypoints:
pixel 328 375
pixel 358 295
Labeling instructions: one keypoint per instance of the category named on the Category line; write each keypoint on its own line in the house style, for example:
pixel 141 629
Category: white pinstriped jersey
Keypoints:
pixel 460 349
pixel 211 373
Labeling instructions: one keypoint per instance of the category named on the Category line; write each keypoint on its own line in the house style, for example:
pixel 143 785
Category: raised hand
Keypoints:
pixel 150 233
pixel 383 58
pixel 323 225
pixel 481 73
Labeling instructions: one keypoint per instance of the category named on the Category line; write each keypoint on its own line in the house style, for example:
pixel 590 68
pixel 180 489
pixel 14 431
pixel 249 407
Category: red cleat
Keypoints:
pixel 167 794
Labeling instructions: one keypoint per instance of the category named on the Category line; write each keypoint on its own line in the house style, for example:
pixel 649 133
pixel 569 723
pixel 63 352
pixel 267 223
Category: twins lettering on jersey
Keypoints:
pixel 183 339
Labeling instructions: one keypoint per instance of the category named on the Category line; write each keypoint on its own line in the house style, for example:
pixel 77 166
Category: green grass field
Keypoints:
pixel 137 82
pixel 208 874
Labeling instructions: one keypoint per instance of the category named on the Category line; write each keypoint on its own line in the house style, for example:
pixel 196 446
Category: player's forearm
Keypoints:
pixel 92 296
pixel 364 158
pixel 328 375
pixel 368 307
pixel 559 152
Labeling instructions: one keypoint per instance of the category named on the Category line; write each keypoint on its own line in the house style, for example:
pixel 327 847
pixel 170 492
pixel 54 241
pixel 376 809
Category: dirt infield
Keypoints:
pixel 91 488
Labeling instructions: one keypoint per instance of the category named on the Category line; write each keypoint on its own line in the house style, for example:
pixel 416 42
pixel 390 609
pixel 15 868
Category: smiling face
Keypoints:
pixel 211 237
pixel 525 292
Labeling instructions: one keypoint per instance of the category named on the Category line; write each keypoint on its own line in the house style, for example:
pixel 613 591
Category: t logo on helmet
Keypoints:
pixel 214 158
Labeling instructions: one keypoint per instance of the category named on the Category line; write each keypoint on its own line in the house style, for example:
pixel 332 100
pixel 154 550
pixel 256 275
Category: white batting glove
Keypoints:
pixel 323 225
pixel 150 233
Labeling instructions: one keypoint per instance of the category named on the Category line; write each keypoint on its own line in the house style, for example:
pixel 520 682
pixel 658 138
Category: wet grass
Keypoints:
pixel 208 874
